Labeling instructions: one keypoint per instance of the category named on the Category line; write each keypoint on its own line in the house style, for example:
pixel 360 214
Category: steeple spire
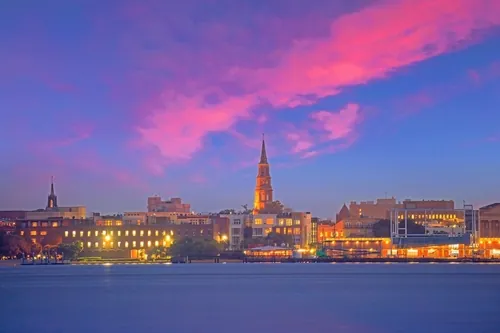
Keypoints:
pixel 263 155
pixel 52 186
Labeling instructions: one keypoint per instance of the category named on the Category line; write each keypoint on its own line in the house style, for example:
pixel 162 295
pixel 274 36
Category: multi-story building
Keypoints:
pixel 135 218
pixel 296 224
pixel 489 221
pixel 107 220
pixel 359 227
pixel 378 209
pixel 262 224
pixel 237 224
pixel 110 241
pixel 155 204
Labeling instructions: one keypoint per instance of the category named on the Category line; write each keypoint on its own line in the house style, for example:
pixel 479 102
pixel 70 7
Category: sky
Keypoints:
pixel 358 100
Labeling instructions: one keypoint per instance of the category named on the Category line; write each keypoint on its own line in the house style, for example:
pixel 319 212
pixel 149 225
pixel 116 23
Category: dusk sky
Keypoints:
pixel 119 100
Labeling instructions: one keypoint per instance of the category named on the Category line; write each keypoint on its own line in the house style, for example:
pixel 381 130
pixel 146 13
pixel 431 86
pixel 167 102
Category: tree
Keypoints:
pixel 70 251
pixel 383 228
pixel 52 239
pixel 14 245
pixel 227 211
pixel 188 247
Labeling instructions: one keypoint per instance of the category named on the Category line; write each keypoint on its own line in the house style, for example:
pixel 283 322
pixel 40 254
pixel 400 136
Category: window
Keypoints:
pixel 104 232
pixel 149 232
pixel 149 243
pixel 288 222
pixel 119 233
pixel 43 233
pixel 111 233
pixel 96 233
pixel 65 234
pixel 81 233
pixel 111 244
pixel 296 231
pixel 297 222
pixel 133 232
pixel 88 233
pixel 96 244
pixel 126 232
pixel 33 233
pixel 142 244
pixel 119 244
pixel 134 244
pixel 157 243
pixel 257 221
pixel 281 222
pixel 142 233
pixel 258 231
pixel 55 224
pixel 22 233
pixel 34 224
pixel 126 244
pixel 156 233
pixel 73 234
pixel 237 221
pixel 270 221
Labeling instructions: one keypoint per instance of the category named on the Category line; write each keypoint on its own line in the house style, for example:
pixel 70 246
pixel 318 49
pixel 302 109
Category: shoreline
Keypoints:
pixel 16 263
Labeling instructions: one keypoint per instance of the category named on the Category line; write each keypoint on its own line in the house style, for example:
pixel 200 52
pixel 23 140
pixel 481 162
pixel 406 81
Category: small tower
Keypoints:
pixel 52 198
pixel 263 187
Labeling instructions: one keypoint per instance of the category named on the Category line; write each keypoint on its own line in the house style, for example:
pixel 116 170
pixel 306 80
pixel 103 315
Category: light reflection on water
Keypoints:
pixel 241 298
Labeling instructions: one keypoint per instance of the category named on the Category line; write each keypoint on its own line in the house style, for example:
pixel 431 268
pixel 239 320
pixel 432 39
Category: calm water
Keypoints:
pixel 241 298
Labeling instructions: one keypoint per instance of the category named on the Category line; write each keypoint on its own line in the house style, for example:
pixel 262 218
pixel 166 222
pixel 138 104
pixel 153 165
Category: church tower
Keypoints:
pixel 52 198
pixel 263 188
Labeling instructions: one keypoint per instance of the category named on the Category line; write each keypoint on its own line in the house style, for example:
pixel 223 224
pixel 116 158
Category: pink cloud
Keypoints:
pixel 339 124
pixel 368 44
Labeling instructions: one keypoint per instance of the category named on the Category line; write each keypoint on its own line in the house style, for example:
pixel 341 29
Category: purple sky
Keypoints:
pixel 123 99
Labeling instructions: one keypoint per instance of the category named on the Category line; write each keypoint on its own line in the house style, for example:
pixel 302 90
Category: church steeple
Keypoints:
pixel 52 198
pixel 263 154
pixel 263 188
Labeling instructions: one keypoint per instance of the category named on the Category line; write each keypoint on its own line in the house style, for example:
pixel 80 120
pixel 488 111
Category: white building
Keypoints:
pixel 237 223
pixel 262 224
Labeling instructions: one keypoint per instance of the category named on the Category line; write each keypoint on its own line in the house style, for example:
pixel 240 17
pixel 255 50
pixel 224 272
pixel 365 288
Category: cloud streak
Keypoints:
pixel 368 44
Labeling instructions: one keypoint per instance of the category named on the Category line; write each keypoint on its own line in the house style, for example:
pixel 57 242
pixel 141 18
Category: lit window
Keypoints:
pixel 126 232
pixel 297 222
pixel 133 232
pixel 33 233
pixel 54 224
pixel 119 233
pixel 134 244
pixel 281 221
pixel 257 221
pixel 149 232
pixel 163 233
pixel 73 233
pixel 149 243
pixel 142 232
pixel 111 244
pixel 119 244
pixel 81 233
pixel 43 233
pixel 22 233
pixel 111 232
pixel 88 233
pixel 89 245
pixel 142 244
pixel 126 244
pixel 157 243
pixel 65 234
pixel 96 244
pixel 289 222
pixel 34 224
pixel 156 233
pixel 270 221
pixel 104 232
pixel 296 231
pixel 96 233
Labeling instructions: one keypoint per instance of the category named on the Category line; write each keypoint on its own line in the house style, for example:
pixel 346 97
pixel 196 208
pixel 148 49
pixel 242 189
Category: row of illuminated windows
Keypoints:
pixel 288 231
pixel 119 244
pixel 281 222
pixel 54 224
pixel 430 216
pixel 34 233
pixel 259 221
pixel 119 233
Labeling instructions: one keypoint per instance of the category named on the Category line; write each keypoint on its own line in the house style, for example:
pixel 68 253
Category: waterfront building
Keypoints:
pixel 107 220
pixel 359 226
pixel 343 214
pixel 262 224
pixel 489 220
pixel 125 241
pixel 237 224
pixel 296 224
pixel 135 218
pixel 156 204
pixel 378 209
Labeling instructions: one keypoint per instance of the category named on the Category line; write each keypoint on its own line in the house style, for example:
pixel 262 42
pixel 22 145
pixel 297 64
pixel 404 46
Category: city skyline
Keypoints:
pixel 121 100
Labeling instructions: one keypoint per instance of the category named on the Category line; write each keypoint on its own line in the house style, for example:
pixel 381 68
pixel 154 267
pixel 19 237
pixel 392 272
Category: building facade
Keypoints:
pixel 156 204
pixel 489 221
